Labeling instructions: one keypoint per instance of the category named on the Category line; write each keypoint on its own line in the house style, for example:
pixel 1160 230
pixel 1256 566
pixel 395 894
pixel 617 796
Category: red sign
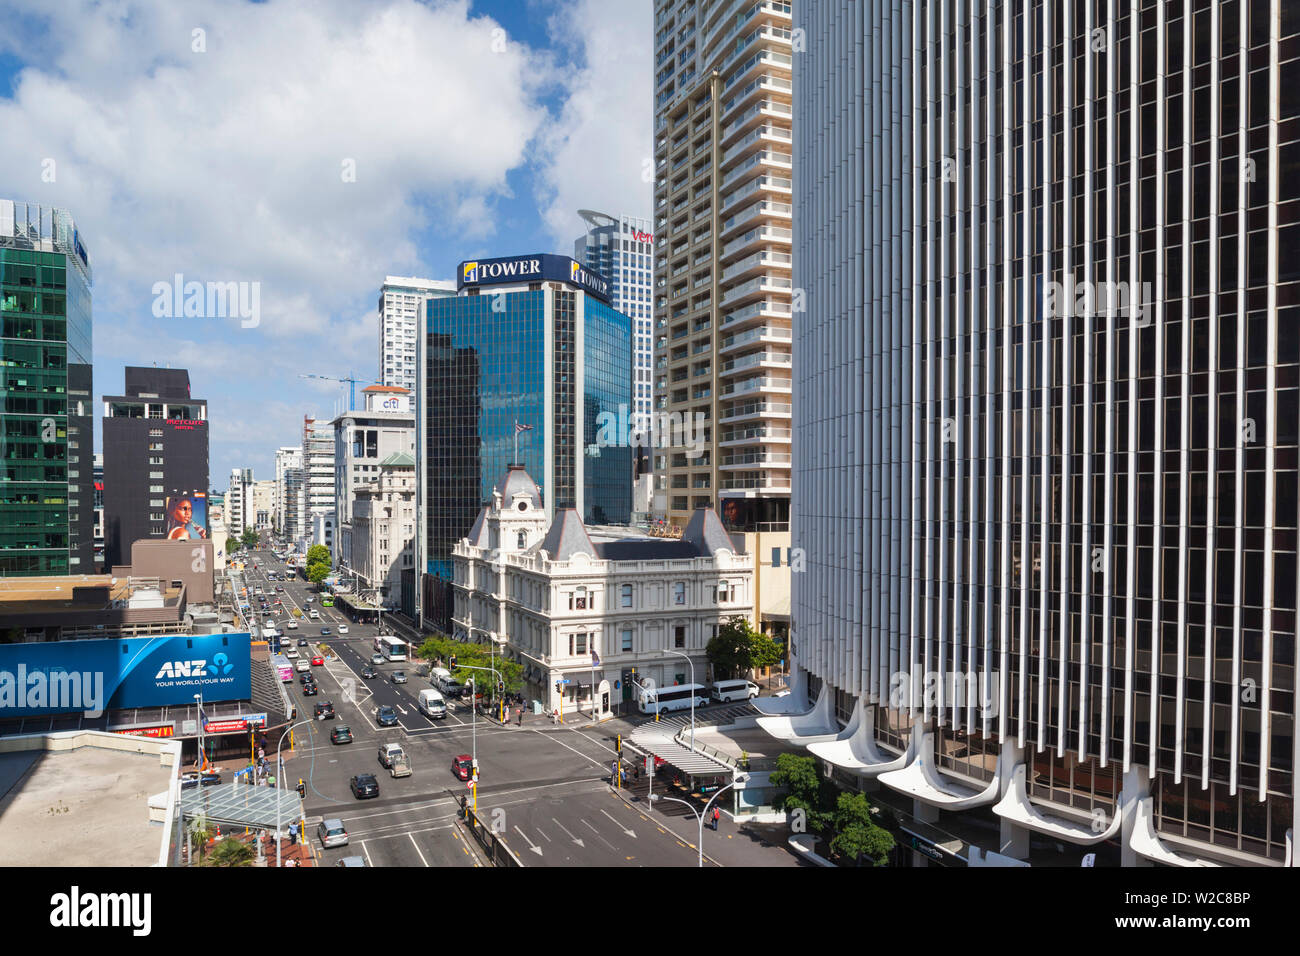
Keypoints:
pixel 228 726
pixel 639 236
pixel 165 730
pixel 185 423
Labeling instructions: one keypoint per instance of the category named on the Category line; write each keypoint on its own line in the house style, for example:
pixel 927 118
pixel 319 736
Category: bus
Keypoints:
pixel 327 600
pixel 393 648
pixel 653 700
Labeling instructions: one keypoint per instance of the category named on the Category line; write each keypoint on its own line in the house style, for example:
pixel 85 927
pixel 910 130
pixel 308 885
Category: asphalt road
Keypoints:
pixel 544 790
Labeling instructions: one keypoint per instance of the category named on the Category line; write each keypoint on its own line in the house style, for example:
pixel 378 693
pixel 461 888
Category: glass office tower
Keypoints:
pixel 1046 400
pixel 532 365
pixel 46 419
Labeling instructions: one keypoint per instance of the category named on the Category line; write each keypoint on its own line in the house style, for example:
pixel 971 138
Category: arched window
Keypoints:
pixel 523 540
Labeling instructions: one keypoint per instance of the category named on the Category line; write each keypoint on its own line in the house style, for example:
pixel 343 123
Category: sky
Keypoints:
pixel 305 149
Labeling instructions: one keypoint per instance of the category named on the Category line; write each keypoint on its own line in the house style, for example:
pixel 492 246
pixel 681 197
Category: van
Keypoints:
pixel 437 675
pixel 332 833
pixel 725 691
pixel 432 704
pixel 446 683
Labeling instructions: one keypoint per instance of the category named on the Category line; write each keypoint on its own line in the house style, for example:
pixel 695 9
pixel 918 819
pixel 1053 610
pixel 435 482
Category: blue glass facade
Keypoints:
pixel 487 367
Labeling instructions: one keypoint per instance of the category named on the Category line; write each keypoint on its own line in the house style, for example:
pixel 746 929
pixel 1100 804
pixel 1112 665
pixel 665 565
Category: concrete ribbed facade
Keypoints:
pixel 1045 415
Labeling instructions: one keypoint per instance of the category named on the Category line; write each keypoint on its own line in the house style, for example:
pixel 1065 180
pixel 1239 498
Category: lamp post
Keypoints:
pixel 692 663
pixel 699 843
pixel 279 762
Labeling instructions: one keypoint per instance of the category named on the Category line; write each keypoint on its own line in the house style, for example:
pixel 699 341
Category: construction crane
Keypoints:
pixel 351 383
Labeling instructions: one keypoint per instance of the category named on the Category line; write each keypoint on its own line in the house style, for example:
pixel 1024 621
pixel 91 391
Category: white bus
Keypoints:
pixel 393 648
pixel 673 698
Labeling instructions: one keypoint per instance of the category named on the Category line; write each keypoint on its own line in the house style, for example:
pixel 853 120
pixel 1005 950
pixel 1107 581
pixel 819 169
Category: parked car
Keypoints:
pixel 462 766
pixel 386 716
pixel 364 785
pixel 332 833
pixel 398 677
pixel 325 711
pixel 368 673
pixel 341 735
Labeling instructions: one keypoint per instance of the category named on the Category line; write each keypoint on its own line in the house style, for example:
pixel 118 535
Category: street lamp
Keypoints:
pixel 279 763
pixel 699 843
pixel 692 663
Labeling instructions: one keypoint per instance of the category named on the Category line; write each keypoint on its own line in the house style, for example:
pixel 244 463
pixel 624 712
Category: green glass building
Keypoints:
pixel 46 418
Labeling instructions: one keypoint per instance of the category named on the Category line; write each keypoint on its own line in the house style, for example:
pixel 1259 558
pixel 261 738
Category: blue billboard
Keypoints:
pixel 535 268
pixel 62 677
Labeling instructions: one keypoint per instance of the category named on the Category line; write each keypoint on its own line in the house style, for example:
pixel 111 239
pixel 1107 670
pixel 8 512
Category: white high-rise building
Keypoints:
pixel 401 306
pixel 363 439
pixel 239 501
pixel 288 467
pixel 1047 419
pixel 318 474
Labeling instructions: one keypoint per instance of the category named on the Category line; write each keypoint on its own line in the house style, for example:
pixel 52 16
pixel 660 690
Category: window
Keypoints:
pixel 627 595
pixel 523 540
pixel 577 644
pixel 679 635
pixel 679 592
pixel 625 639
pixel 726 592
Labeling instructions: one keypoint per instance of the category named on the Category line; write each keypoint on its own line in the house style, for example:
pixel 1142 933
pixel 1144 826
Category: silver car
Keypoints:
pixel 399 677
pixel 332 833
pixel 351 861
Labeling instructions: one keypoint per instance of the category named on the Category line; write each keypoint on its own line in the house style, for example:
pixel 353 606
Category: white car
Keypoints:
pixel 343 628
pixel 293 624
pixel 291 652
pixel 304 665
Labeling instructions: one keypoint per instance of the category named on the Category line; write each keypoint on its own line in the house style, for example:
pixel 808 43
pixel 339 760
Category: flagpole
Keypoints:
pixel 516 461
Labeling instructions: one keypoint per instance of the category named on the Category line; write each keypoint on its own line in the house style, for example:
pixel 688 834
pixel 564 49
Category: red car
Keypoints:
pixel 462 766
pixel 317 661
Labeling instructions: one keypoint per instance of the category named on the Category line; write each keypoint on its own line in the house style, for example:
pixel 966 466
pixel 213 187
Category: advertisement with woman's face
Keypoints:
pixel 187 517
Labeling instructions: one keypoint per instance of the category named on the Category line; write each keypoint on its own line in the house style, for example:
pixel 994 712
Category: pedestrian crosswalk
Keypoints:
pixel 704 717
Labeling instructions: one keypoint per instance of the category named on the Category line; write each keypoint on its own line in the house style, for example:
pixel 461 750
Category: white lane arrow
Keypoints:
pixel 531 845
pixel 566 830
pixel 626 830
pixel 401 709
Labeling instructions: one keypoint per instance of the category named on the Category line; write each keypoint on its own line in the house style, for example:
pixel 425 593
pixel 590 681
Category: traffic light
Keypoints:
pixel 619 744
pixel 302 789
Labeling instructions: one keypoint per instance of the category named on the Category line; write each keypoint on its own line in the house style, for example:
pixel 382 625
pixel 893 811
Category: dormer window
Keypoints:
pixel 523 506
pixel 523 540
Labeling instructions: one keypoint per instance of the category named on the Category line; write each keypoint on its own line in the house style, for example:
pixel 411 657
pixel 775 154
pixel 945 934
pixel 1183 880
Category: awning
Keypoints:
pixel 923 781
pixel 662 744
pixel 242 805
pixel 816 726
pixel 858 753
pixel 1015 806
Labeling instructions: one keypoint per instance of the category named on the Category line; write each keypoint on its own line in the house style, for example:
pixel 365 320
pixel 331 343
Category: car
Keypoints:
pixel 308 678
pixel 303 665
pixel 325 711
pixel 462 766
pixel 398 677
pixel 302 641
pixel 192 779
pixel 364 785
pixel 376 659
pixel 279 589
pixel 309 689
pixel 352 861
pixel 332 833
pixel 290 653
pixel 343 629
pixel 368 673
pixel 341 735
pixel 387 752
pixel 317 661
pixel 386 716
pixel 292 625
pixel 324 632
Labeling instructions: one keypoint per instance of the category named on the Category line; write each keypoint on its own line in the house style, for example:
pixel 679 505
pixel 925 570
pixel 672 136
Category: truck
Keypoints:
pixel 395 759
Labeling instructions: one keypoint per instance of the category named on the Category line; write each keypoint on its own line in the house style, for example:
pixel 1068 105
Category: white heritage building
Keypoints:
pixel 590 604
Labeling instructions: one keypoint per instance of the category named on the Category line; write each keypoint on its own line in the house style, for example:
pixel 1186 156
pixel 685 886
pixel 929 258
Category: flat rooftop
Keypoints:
pixel 82 807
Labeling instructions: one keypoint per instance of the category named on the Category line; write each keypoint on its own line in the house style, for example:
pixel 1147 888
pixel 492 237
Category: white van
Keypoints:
pixel 432 704
pixel 436 675
pixel 725 691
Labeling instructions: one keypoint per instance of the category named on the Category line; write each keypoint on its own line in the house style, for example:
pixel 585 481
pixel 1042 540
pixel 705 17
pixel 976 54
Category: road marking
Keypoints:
pixel 629 832
pixel 366 851
pixel 531 845
pixel 599 763
pixel 566 830
pixel 543 833
pixel 417 848
pixel 599 837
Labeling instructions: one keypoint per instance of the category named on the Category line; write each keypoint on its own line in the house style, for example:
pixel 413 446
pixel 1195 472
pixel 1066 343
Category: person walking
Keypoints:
pixel 519 714
pixel 717 815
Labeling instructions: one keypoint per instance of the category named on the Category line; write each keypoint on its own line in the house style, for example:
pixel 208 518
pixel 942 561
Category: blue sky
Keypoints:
pixel 215 140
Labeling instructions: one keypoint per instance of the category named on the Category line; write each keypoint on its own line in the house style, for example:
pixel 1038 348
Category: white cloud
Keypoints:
pixel 596 150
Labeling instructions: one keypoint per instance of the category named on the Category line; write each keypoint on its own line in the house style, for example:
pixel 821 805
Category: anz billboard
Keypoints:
pixel 61 677
pixel 476 273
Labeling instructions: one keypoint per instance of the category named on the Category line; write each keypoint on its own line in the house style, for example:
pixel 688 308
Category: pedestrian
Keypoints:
pixel 555 718
pixel 519 715
pixel 613 772
pixel 717 815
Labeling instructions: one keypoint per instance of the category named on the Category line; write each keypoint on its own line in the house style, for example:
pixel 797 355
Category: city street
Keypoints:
pixel 544 789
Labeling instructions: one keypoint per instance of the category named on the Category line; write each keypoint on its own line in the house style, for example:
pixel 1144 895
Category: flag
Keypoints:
pixel 595 658
pixel 522 428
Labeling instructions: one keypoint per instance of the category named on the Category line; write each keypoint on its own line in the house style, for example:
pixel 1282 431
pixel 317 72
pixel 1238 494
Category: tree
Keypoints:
pixel 738 649
pixel 316 573
pixel 805 790
pixel 856 833
pixel 230 852
pixel 470 655
pixel 249 539
pixel 319 554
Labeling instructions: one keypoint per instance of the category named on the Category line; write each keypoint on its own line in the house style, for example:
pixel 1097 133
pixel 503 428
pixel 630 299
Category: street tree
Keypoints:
pixel 738 649
pixel 319 554
pixel 805 790
pixel 316 573
pixel 857 836
pixel 249 539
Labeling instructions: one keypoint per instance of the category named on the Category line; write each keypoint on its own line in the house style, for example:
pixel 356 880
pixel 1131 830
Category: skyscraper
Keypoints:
pixel 400 308
pixel 155 461
pixel 1046 400
pixel 318 477
pixel 529 360
pixel 288 478
pixel 46 419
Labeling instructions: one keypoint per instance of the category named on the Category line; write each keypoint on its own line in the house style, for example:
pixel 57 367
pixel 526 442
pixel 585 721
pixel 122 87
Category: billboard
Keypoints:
pixel 187 515
pixel 61 677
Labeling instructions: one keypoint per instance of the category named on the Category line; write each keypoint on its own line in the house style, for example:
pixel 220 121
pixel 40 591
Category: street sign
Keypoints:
pixel 564 681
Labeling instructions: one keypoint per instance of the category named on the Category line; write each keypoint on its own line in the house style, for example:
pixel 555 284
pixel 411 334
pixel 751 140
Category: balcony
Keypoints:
pixel 762 285
pixel 769 157
pixel 761 134
pixel 767 183
pixel 756 236
pixel 756 433
pixel 760 383
pixel 742 411
pixel 766 208
pixel 772 459
pixel 763 259
pixel 763 334
pixel 753 482
pixel 757 360
pixel 765 308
